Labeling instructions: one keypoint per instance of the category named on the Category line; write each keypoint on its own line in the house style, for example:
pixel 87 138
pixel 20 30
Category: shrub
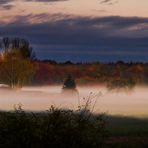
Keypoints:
pixel 53 128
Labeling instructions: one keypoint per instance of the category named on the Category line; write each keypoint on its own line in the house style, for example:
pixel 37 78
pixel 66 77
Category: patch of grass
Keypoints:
pixel 127 126
pixel 127 132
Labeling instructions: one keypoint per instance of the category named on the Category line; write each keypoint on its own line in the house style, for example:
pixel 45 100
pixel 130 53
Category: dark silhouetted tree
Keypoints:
pixel 8 44
pixel 69 83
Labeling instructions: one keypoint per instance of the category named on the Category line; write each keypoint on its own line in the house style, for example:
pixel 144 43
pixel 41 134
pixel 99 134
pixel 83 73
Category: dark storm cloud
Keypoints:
pixel 5 4
pixel 99 37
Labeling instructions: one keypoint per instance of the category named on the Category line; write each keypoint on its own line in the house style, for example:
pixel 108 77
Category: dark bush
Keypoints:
pixel 53 128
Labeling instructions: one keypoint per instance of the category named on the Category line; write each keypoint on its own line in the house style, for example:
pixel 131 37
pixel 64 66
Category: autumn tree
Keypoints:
pixel 16 68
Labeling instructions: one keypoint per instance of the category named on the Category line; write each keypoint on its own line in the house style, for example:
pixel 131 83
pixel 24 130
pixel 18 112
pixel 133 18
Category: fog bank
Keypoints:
pixel 131 103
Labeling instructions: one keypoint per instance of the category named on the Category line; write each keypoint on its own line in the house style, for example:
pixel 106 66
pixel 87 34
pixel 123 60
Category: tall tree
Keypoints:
pixel 16 68
pixel 8 44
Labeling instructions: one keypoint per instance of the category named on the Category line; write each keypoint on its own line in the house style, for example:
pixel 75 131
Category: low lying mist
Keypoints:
pixel 126 103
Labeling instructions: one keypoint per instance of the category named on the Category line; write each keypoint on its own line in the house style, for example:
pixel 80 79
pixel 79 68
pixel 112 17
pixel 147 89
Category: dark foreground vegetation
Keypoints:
pixel 70 129
pixel 55 128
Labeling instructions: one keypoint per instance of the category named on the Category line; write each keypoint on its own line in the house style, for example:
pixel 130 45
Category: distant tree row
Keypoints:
pixel 113 75
pixel 19 66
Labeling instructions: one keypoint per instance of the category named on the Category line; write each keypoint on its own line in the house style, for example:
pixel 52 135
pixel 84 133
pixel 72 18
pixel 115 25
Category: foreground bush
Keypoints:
pixel 53 128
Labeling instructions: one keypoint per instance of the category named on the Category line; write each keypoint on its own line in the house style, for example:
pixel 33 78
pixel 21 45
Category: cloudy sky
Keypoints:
pixel 79 30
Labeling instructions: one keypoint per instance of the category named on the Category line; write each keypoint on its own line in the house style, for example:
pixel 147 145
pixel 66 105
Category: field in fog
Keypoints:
pixel 131 103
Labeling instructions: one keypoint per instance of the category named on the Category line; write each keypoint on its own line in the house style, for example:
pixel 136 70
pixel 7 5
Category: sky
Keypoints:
pixel 79 30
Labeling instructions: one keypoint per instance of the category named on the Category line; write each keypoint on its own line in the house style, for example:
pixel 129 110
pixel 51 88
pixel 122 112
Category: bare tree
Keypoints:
pixel 8 44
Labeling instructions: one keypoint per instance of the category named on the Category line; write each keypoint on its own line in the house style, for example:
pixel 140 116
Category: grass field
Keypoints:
pixel 127 132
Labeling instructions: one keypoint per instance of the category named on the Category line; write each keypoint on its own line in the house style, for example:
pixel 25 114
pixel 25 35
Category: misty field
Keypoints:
pixel 125 122
pixel 124 102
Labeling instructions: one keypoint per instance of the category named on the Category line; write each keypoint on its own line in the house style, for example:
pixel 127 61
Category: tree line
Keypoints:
pixel 19 66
